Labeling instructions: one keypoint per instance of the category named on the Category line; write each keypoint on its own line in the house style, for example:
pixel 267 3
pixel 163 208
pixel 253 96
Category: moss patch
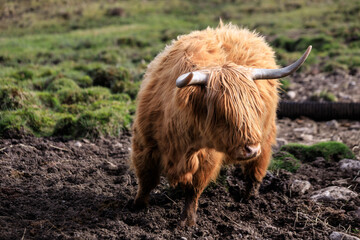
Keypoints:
pixel 284 160
pixel 330 151
pixel 65 126
pixel 324 96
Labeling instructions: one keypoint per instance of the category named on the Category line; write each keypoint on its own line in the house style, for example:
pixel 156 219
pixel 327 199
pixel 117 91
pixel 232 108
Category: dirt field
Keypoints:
pixel 58 189
pixel 52 188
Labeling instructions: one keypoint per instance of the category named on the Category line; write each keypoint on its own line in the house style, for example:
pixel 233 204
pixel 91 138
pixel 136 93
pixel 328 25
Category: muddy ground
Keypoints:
pixel 52 188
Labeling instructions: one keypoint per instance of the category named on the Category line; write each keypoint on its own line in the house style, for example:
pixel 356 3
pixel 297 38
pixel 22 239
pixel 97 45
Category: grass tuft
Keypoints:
pixel 285 84
pixel 65 126
pixel 108 77
pixel 324 96
pixel 62 83
pixel 330 151
pixel 284 160
pixel 24 74
pixel 13 97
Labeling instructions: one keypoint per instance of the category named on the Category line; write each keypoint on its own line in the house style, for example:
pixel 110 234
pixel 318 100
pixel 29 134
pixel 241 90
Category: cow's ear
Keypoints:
pixel 258 73
pixel 193 78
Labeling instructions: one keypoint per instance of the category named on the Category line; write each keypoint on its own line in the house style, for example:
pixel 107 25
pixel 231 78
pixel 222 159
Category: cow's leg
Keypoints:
pixel 146 164
pixel 188 216
pixel 209 166
pixel 255 171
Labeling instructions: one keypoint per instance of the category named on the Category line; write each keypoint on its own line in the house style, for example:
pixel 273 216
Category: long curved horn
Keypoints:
pixel 192 78
pixel 259 73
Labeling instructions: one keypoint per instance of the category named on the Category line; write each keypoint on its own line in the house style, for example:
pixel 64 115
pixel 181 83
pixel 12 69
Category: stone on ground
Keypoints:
pixel 349 165
pixel 300 186
pixel 333 193
pixel 342 236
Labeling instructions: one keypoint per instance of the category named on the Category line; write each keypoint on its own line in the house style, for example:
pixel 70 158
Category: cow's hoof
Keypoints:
pixel 188 221
pixel 251 196
pixel 140 204
pixel 252 191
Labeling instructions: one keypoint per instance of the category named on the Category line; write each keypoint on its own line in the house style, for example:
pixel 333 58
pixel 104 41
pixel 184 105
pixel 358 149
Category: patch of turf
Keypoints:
pixel 96 93
pixel 285 84
pixel 13 97
pixel 284 160
pixel 30 120
pixel 70 95
pixel 65 126
pixel 319 43
pixel 24 74
pixel 62 83
pixel 84 81
pixel 109 77
pixel 330 151
pixel 49 100
pixel 324 96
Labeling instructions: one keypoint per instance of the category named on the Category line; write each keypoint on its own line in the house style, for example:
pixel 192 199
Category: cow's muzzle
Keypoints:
pixel 248 152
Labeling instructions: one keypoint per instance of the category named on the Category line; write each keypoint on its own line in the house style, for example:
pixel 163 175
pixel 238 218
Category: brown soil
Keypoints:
pixel 52 188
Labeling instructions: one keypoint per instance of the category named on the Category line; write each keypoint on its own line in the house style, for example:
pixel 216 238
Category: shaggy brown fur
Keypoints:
pixel 187 134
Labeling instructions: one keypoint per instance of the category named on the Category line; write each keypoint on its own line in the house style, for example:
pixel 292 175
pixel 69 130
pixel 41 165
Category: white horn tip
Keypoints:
pixel 308 50
pixel 184 79
pixel 282 72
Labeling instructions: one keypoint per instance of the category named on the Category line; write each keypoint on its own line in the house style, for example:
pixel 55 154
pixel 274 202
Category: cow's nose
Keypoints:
pixel 252 150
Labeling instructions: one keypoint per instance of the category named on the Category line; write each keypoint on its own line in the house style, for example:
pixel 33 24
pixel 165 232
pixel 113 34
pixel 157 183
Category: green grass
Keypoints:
pixel 292 155
pixel 324 96
pixel 330 151
pixel 284 160
pixel 65 64
pixel 285 84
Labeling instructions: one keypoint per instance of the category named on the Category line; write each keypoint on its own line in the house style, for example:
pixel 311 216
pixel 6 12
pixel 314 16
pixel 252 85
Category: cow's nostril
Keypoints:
pixel 252 150
pixel 248 149
pixel 246 152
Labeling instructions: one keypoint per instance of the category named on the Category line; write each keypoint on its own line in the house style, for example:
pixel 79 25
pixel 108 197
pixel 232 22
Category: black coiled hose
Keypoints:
pixel 319 110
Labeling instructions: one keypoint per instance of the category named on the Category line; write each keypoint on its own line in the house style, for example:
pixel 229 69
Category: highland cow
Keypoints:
pixel 205 101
